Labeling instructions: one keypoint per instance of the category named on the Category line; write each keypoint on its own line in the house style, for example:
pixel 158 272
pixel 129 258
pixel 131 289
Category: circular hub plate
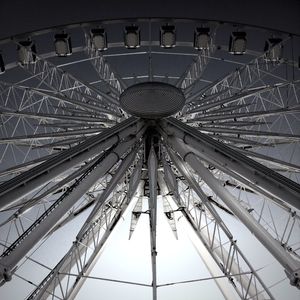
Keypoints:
pixel 152 100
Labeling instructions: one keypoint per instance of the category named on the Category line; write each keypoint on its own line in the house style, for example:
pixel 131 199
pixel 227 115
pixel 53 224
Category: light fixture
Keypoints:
pixel 2 66
pixel 273 49
pixel 202 38
pixel 98 39
pixel 62 43
pixel 167 36
pixel 26 52
pixel 237 43
pixel 132 37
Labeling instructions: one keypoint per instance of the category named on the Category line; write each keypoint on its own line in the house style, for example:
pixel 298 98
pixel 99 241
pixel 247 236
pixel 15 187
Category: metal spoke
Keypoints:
pixel 152 173
pixel 244 77
pixel 103 68
pixel 208 153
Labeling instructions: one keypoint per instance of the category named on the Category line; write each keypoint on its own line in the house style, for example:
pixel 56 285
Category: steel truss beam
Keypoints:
pixel 152 175
pixel 55 212
pixel 11 94
pixel 227 108
pixel 247 132
pixel 270 160
pixel 194 72
pixel 242 78
pixel 21 219
pixel 274 183
pixel 243 180
pixel 246 115
pixel 165 189
pixel 32 202
pixel 126 163
pixel 89 236
pixel 47 136
pixel 291 266
pixel 226 169
pixel 103 68
pixel 60 80
pixel 215 236
pixel 83 100
pixel 283 229
pixel 21 185
pixel 25 166
pixel 62 144
pixel 290 214
pixel 19 105
pixel 214 100
pixel 242 142
pixel 76 119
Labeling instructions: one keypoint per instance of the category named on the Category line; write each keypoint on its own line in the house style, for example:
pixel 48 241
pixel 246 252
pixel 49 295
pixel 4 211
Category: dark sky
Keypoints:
pixel 19 16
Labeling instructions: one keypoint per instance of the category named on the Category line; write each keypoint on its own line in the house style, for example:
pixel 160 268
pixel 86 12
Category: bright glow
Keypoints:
pixel 130 260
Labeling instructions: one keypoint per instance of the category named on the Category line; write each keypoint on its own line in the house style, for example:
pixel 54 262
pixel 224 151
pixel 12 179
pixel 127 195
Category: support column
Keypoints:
pixel 230 262
pixel 23 184
pixel 86 239
pixel 269 180
pixel 152 174
pixel 226 292
pixel 126 163
pixel 291 266
pixel 41 226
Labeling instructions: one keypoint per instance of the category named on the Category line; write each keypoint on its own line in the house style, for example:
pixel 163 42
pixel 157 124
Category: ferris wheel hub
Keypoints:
pixel 152 100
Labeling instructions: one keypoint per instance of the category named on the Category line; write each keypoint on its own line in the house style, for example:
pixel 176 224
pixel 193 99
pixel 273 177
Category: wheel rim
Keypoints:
pixel 248 102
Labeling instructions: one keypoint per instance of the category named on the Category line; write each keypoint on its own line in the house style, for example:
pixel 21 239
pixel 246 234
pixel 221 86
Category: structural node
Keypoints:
pixel 152 100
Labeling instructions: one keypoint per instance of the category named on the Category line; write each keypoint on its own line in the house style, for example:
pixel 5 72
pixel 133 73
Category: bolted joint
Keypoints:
pixel 5 273
pixel 186 155
pixel 294 278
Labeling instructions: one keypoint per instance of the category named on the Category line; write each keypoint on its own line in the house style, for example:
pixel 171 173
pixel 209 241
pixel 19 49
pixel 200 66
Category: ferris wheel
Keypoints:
pixel 150 159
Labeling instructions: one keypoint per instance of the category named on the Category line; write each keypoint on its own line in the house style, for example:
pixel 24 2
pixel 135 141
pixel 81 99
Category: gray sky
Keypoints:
pixel 18 16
